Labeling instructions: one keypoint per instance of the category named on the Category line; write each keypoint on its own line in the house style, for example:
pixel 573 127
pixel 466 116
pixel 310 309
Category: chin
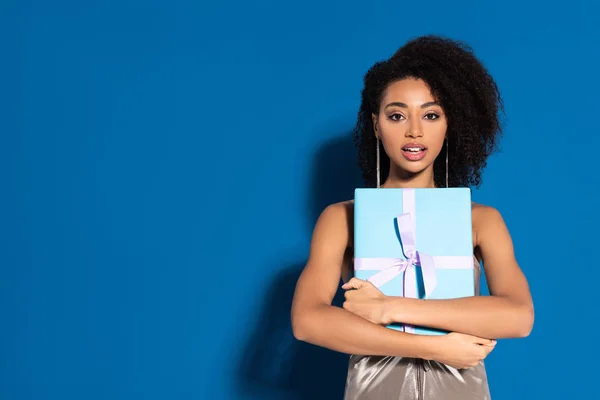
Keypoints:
pixel 413 167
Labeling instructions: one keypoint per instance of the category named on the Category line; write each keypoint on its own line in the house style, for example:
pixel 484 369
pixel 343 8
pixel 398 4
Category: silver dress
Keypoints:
pixel 401 378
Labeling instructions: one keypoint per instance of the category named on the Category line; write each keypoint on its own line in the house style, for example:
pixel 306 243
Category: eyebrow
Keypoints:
pixel 425 105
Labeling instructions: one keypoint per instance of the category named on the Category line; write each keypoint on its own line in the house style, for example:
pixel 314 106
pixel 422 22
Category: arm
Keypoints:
pixel 316 321
pixel 506 313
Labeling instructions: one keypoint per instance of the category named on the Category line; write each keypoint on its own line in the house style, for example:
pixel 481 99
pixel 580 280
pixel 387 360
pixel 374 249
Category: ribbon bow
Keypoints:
pixel 389 268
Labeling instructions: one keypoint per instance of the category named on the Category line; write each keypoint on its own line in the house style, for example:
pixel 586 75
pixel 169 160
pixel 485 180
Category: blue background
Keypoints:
pixel 163 163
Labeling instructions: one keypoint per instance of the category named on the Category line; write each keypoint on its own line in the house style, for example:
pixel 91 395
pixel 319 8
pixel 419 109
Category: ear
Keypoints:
pixel 375 121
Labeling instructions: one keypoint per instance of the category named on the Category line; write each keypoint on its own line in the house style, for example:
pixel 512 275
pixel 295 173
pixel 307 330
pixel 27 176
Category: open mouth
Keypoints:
pixel 414 151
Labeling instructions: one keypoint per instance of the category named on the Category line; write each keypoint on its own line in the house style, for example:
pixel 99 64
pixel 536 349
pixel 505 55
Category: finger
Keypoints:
pixel 483 341
pixel 349 284
pixel 490 345
pixel 488 349
pixel 484 352
pixel 354 283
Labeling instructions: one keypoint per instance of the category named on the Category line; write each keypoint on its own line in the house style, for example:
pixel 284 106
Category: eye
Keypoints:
pixel 396 117
pixel 432 116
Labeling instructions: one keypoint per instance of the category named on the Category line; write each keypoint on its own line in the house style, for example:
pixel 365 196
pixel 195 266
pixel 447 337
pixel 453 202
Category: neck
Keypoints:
pixel 403 179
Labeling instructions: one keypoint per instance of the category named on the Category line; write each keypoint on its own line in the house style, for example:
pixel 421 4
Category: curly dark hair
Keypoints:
pixel 466 92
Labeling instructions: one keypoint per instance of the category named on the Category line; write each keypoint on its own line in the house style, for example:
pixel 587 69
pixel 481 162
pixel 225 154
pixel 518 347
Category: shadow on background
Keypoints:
pixel 274 361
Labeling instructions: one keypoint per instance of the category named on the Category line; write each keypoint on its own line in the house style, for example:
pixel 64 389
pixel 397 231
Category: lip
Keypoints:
pixel 414 156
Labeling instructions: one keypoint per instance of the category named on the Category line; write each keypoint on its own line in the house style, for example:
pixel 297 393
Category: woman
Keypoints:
pixel 429 115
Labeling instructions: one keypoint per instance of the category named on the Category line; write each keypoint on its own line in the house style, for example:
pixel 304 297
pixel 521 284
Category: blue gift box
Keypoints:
pixel 415 243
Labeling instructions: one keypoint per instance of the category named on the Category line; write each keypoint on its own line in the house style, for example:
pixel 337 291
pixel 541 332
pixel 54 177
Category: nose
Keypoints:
pixel 414 129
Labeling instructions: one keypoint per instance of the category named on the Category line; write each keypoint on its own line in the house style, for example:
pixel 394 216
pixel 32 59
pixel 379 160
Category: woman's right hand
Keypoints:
pixel 461 351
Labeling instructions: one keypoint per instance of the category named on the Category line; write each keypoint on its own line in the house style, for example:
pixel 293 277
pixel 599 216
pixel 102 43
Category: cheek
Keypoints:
pixel 439 142
pixel 437 136
pixel 392 143
pixel 391 134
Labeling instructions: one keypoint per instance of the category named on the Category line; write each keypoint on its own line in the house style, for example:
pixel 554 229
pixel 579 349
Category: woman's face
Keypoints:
pixel 411 125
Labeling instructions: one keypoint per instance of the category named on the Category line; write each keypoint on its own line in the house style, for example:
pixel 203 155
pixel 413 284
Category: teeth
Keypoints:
pixel 414 149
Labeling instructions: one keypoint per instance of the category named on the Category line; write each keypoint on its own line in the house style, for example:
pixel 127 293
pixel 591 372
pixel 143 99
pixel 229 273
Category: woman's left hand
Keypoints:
pixel 366 300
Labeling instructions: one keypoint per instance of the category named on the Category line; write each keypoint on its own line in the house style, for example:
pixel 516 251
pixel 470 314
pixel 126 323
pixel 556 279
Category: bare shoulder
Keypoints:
pixel 484 214
pixel 341 211
pixel 337 219
pixel 487 222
